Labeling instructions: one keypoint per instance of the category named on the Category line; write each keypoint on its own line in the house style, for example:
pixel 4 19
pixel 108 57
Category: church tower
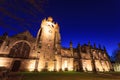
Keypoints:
pixel 48 40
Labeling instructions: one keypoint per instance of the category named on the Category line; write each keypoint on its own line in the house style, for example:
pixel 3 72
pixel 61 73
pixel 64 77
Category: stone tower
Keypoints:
pixel 48 41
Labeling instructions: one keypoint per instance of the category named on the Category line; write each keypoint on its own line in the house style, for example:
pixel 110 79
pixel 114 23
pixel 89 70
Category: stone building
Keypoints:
pixel 116 66
pixel 23 52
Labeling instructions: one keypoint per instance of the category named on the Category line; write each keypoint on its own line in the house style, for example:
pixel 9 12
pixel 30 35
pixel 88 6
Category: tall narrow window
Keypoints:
pixel 66 64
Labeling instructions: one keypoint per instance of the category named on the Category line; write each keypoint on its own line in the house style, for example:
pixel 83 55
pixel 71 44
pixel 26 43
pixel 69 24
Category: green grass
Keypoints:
pixel 69 76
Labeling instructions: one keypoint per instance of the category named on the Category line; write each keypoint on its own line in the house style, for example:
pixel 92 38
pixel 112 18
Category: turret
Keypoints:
pixel 5 35
pixel 48 41
pixel 89 43
pixel 94 45
pixel 79 47
pixel 71 48
pixel 4 42
pixel 80 59
pixel 92 60
pixel 48 33
pixel 104 48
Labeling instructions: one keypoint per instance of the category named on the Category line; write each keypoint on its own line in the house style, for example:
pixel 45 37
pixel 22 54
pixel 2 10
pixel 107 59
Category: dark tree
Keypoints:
pixel 116 55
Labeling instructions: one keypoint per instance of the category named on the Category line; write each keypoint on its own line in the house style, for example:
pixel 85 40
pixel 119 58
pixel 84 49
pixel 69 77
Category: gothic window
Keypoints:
pixel 20 50
pixel 48 25
pixel 39 45
pixel 52 25
pixel 65 63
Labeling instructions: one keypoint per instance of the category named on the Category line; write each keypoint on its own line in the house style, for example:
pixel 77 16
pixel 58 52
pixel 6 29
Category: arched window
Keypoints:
pixel 20 50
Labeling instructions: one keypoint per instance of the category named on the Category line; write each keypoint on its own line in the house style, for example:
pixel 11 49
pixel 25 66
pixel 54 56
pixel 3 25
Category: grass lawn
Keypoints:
pixel 69 76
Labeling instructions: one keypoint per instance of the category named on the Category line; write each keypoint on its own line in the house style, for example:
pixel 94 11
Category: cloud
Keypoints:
pixel 21 13
pixel 38 4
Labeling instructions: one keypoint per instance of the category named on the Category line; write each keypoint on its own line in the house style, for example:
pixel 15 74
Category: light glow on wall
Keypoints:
pixel 87 66
pixel 65 63
pixel 51 66
pixel 4 62
pixel 99 66
pixel 31 65
pixel 116 67
pixel 70 68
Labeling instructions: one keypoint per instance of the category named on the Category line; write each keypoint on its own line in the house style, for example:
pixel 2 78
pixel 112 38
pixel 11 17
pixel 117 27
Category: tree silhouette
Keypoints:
pixel 116 55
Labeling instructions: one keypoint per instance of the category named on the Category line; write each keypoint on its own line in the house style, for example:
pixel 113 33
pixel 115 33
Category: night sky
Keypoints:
pixel 97 21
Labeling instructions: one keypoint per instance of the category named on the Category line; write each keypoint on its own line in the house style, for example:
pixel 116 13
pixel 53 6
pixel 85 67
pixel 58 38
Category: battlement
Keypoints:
pixel 49 22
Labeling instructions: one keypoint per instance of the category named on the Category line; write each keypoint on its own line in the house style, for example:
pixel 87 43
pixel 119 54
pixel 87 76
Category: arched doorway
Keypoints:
pixel 20 50
pixel 16 65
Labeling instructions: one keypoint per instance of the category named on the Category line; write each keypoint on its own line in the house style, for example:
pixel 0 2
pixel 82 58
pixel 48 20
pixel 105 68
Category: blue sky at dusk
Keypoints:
pixel 97 21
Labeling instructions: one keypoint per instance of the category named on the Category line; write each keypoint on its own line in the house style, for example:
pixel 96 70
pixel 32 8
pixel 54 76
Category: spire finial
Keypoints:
pixel 79 44
pixel 104 48
pixel 94 45
pixel 71 44
pixel 88 43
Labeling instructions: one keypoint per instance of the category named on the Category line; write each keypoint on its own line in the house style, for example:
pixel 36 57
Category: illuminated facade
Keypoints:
pixel 23 52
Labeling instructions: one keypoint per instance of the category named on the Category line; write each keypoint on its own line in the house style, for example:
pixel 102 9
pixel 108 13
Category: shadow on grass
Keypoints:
pixel 69 76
